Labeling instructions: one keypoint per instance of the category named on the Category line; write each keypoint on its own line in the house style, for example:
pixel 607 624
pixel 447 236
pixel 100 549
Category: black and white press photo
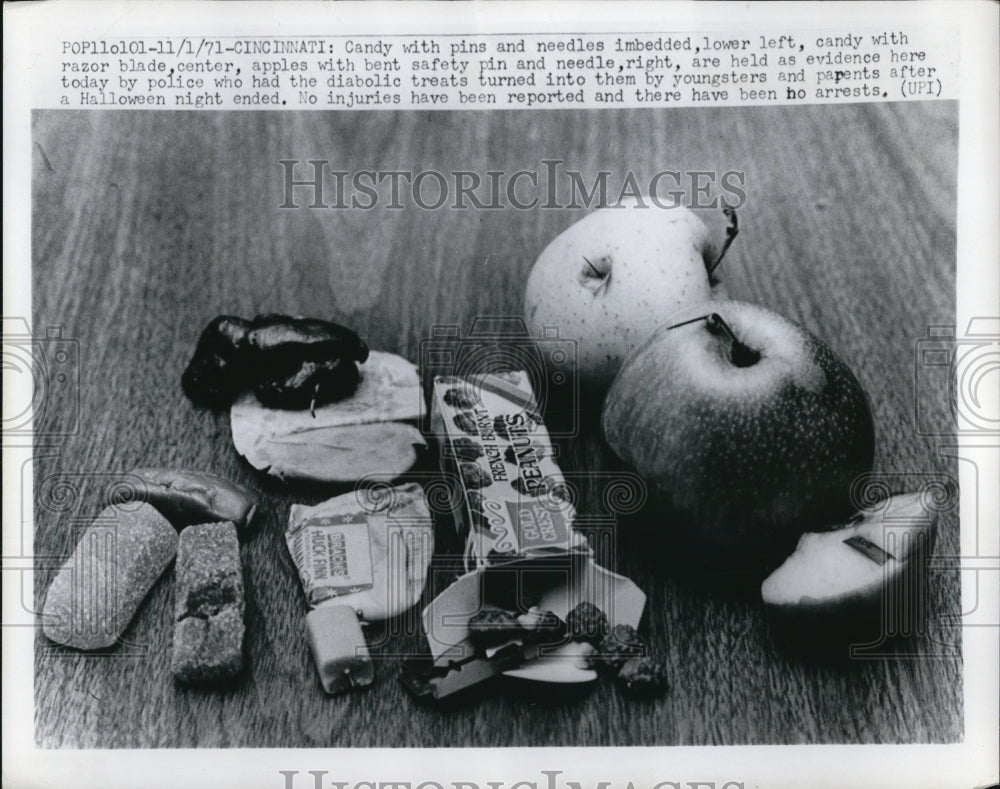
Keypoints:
pixel 400 383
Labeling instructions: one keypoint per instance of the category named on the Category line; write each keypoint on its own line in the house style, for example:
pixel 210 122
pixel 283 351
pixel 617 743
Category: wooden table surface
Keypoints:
pixel 147 225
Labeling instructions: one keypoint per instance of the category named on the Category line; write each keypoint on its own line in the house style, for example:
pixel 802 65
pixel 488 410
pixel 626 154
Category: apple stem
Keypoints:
pixel 593 268
pixel 741 355
pixel 732 230
pixel 715 323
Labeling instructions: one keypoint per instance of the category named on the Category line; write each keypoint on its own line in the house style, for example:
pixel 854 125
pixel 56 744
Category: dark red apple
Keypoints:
pixel 748 429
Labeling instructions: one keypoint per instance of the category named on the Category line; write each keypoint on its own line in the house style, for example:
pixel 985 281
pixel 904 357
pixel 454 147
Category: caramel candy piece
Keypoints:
pixel 114 565
pixel 208 618
pixel 189 497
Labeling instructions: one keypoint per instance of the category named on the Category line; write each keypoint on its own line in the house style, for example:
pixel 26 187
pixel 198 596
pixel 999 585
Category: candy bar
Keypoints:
pixel 114 565
pixel 208 618
pixel 514 506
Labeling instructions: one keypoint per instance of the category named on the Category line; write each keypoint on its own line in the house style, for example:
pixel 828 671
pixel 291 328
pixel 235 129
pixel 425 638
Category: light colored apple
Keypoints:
pixel 748 429
pixel 609 280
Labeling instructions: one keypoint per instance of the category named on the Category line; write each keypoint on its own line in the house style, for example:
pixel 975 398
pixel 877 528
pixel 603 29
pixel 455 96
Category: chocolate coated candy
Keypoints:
pixel 473 476
pixel 642 677
pixel 463 397
pixel 620 645
pixel 218 371
pixel 587 622
pixel 290 362
pixel 310 384
pixel 277 339
pixel 493 626
pixel 188 497
pixel 463 449
pixel 465 422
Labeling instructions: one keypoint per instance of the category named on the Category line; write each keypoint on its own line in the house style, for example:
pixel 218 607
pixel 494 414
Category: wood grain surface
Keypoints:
pixel 147 225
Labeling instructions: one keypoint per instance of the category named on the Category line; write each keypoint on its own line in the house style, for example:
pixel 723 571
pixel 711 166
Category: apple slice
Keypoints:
pixel 860 581
pixel 564 673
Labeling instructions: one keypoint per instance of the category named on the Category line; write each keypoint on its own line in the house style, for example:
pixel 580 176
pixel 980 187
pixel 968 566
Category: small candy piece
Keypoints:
pixel 465 422
pixel 493 626
pixel 208 612
pixel 114 565
pixel 291 362
pixel 620 645
pixel 463 449
pixel 587 622
pixel 642 677
pixel 473 475
pixel 339 648
pixel 463 397
pixel 309 384
pixel 188 497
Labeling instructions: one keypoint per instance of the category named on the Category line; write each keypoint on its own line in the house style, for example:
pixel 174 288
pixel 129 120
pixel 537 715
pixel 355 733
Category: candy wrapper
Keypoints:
pixel 515 505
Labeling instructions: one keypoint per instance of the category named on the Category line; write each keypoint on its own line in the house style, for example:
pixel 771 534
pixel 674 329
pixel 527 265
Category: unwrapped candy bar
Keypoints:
pixel 208 620
pixel 114 565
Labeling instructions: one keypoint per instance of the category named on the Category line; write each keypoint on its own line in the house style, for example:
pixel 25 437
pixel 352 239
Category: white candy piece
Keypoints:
pixel 855 565
pixel 100 587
